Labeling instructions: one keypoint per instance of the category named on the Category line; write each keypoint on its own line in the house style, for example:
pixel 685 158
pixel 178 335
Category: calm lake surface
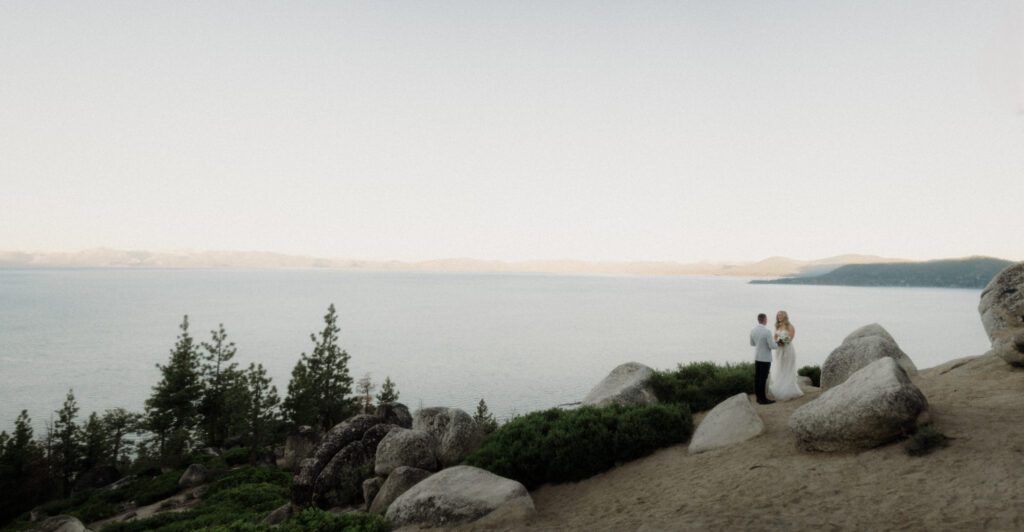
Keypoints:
pixel 522 342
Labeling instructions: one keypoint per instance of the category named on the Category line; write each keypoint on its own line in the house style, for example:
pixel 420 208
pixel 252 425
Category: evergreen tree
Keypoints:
pixel 118 424
pixel 388 392
pixel 67 443
pixel 171 411
pixel 318 393
pixel 220 379
pixel 95 443
pixel 364 391
pixel 484 419
pixel 261 415
pixel 23 476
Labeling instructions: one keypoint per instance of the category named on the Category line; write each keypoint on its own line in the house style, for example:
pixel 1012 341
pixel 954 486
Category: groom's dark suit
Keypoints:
pixel 763 342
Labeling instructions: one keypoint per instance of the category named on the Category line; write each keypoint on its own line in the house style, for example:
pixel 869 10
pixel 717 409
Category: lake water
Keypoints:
pixel 522 342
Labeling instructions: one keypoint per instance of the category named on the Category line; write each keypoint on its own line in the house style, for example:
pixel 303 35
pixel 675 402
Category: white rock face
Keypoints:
pixel 456 433
pixel 1002 313
pixel 874 406
pixel 406 447
pixel 455 496
pixel 61 523
pixel 730 422
pixel 195 475
pixel 628 384
pixel 860 348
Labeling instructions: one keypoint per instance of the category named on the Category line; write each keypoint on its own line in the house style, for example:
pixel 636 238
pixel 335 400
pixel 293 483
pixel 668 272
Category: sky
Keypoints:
pixel 516 130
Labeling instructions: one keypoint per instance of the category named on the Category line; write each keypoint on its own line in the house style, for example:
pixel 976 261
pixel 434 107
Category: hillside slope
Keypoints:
pixel 767 484
pixel 974 272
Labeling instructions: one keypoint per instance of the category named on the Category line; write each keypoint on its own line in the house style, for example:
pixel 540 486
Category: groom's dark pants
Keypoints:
pixel 761 379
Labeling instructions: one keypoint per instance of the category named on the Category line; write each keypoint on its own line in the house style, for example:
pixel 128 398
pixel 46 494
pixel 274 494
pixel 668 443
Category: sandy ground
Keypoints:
pixel 767 484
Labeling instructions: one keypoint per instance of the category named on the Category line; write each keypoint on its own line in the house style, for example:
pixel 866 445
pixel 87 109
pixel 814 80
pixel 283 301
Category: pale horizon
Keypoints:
pixel 653 131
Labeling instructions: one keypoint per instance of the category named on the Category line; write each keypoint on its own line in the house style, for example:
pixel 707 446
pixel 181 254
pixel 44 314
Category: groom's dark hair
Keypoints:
pixel 762 318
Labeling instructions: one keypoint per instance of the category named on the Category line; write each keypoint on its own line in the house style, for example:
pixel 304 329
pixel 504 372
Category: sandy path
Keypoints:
pixel 766 484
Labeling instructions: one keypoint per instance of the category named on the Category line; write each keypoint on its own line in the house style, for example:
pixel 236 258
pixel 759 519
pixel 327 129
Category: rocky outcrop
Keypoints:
pixel 455 496
pixel 406 447
pixel 398 482
pixel 195 475
pixel 60 523
pixel 371 487
pixel 860 348
pixel 1002 313
pixel 877 404
pixel 395 414
pixel 455 431
pixel 628 384
pixel 297 447
pixel 373 436
pixel 340 483
pixel 730 422
pixel 334 472
pixel 96 477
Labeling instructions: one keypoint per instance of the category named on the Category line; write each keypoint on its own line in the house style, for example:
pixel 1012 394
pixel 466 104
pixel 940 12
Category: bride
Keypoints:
pixel 782 383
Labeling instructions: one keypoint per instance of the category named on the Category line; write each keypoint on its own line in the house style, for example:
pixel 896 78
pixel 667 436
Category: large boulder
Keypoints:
pixel 279 515
pixel 340 483
pixel 730 422
pixel 97 477
pixel 406 447
pixel 373 436
pixel 395 414
pixel 195 475
pixel 456 432
pixel 871 329
pixel 455 496
pixel 860 348
pixel 875 405
pixel 628 384
pixel 398 482
pixel 60 523
pixel 371 487
pixel 297 447
pixel 1002 313
pixel 339 437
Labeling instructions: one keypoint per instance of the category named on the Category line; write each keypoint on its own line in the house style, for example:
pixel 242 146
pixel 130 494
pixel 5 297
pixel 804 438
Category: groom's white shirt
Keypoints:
pixel 761 339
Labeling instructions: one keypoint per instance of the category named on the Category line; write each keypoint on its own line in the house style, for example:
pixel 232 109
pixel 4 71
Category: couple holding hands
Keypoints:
pixel 774 380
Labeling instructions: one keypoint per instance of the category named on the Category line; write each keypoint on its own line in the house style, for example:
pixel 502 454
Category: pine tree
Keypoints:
pixel 220 377
pixel 23 475
pixel 67 443
pixel 388 392
pixel 319 392
pixel 261 415
pixel 364 391
pixel 484 419
pixel 95 443
pixel 171 411
pixel 118 424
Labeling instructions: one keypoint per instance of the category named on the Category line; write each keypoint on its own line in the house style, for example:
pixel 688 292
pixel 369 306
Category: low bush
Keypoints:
pixel 702 385
pixel 814 372
pixel 150 490
pixel 250 475
pixel 568 445
pixel 924 441
pixel 236 456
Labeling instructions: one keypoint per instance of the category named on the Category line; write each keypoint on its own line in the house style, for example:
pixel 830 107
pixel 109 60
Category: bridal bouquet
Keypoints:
pixel 783 337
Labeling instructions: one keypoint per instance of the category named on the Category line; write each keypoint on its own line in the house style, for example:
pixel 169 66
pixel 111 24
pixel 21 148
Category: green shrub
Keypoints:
pixel 924 441
pixel 702 385
pixel 314 520
pixel 236 456
pixel 568 445
pixel 250 475
pixel 814 372
pixel 151 490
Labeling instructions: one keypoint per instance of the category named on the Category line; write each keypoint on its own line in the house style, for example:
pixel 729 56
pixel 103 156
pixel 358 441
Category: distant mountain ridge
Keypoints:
pixel 114 258
pixel 971 272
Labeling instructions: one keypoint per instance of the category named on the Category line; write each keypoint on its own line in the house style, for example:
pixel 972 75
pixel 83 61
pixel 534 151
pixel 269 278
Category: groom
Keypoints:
pixel 763 342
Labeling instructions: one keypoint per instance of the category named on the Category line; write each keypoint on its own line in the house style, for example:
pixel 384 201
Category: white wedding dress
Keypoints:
pixel 782 383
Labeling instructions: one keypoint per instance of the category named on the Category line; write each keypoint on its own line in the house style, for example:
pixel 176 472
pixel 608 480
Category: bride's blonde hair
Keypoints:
pixel 785 320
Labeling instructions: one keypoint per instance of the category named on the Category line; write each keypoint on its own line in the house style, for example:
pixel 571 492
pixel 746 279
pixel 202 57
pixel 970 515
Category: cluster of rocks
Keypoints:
pixel 1002 314
pixel 402 466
